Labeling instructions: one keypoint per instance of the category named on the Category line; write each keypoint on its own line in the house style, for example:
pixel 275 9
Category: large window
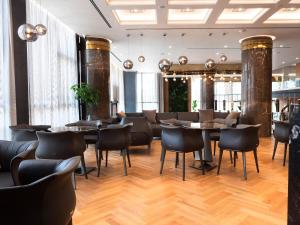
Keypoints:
pixel 147 88
pixel 52 68
pixel 228 96
pixel 7 86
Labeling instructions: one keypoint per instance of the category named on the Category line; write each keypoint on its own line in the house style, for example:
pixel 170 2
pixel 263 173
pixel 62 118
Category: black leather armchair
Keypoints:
pixel 181 140
pixel 23 135
pixel 141 132
pixel 44 195
pixel 11 155
pixel 243 138
pixel 61 145
pixel 281 134
pixel 114 138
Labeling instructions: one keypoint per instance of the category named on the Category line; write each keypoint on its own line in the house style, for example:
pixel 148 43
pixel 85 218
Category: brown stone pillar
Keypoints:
pixel 97 74
pixel 257 82
pixel 207 94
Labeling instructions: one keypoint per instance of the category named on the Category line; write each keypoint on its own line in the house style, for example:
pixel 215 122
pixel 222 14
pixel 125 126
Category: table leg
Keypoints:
pixel 208 156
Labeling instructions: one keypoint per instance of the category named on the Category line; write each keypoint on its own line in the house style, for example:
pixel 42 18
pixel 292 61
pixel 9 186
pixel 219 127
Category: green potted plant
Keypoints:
pixel 194 105
pixel 86 95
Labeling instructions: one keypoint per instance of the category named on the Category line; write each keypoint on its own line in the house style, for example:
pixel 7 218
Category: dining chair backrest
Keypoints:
pixel 181 139
pixel 243 137
pixel 282 131
pixel 60 145
pixel 23 135
pixel 114 137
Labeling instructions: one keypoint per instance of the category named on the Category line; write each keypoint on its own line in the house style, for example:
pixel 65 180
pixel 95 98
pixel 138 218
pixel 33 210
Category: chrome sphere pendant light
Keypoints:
pixel 223 58
pixel 183 60
pixel 210 64
pixel 128 64
pixel 164 65
pixel 41 29
pixel 141 58
pixel 27 32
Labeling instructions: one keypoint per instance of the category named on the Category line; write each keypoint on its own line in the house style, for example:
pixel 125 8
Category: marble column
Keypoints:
pixel 294 168
pixel 98 75
pixel 257 82
pixel 207 94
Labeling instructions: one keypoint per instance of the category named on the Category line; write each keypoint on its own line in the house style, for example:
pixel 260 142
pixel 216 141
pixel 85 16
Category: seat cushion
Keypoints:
pixel 188 116
pixel 206 115
pixel 165 116
pixel 150 115
pixel 6 179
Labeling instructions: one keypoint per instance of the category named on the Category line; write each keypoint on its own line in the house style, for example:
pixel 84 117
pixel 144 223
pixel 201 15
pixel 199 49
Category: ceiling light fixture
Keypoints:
pixel 141 58
pixel 128 64
pixel 183 60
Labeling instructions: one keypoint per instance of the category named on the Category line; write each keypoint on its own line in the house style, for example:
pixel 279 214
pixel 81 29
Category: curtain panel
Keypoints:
pixel 52 70
pixel 7 77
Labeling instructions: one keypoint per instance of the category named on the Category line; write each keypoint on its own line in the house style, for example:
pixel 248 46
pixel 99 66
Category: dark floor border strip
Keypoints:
pixel 100 13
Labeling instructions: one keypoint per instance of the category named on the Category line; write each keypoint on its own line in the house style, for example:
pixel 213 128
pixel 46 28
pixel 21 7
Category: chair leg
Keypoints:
pixel 256 161
pixel 201 161
pixel 83 166
pixel 177 160
pixel 163 155
pixel 74 181
pixel 274 151
pixel 99 162
pixel 215 146
pixel 183 167
pixel 124 153
pixel 234 159
pixel 230 152
pixel 244 165
pixel 97 156
pixel 285 151
pixel 106 158
pixel 220 160
pixel 71 222
pixel 128 158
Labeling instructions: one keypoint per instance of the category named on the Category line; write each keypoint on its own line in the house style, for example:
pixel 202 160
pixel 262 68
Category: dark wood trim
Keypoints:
pixel 18 8
pixel 166 96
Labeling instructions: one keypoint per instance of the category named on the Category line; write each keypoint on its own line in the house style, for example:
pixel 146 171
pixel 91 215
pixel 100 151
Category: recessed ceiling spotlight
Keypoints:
pixel 224 34
pixel 218 53
pixel 170 46
pixel 289 9
pixel 162 7
pixel 187 10
pixel 210 34
pixel 283 62
pixel 281 46
pixel 225 46
pixel 238 10
pixel 297 58
pixel 136 11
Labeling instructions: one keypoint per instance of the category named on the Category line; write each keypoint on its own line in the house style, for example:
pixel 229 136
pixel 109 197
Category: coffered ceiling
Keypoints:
pixel 210 27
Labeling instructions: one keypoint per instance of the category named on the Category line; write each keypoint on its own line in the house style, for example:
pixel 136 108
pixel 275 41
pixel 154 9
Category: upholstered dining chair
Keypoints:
pixel 114 138
pixel 44 194
pixel 281 134
pixel 61 145
pixel 12 153
pixel 181 140
pixel 243 138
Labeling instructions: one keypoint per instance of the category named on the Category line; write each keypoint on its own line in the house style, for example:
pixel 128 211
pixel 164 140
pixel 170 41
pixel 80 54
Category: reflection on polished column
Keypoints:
pixel 257 82
pixel 98 74
pixel 207 94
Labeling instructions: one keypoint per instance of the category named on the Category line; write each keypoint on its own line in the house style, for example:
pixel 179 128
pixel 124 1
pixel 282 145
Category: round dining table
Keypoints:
pixel 207 128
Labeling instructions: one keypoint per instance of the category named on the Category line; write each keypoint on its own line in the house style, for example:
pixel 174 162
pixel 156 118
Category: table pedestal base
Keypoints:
pixel 208 166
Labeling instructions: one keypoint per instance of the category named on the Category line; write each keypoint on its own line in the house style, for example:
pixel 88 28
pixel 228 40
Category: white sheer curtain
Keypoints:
pixel 117 83
pixel 7 77
pixel 52 69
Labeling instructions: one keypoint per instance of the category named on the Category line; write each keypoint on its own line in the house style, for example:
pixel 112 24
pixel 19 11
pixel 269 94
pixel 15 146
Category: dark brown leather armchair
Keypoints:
pixel 243 138
pixel 11 155
pixel 61 145
pixel 141 132
pixel 23 135
pixel 281 134
pixel 114 138
pixel 181 140
pixel 44 195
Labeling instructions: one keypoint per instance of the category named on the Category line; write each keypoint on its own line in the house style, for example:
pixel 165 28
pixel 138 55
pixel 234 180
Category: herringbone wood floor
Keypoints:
pixel 145 197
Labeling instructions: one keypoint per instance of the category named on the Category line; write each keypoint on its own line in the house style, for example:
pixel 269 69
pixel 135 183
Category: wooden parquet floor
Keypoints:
pixel 146 198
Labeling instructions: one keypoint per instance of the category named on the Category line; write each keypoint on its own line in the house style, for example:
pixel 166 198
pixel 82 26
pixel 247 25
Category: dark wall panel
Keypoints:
pixel 130 91
pixel 20 59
